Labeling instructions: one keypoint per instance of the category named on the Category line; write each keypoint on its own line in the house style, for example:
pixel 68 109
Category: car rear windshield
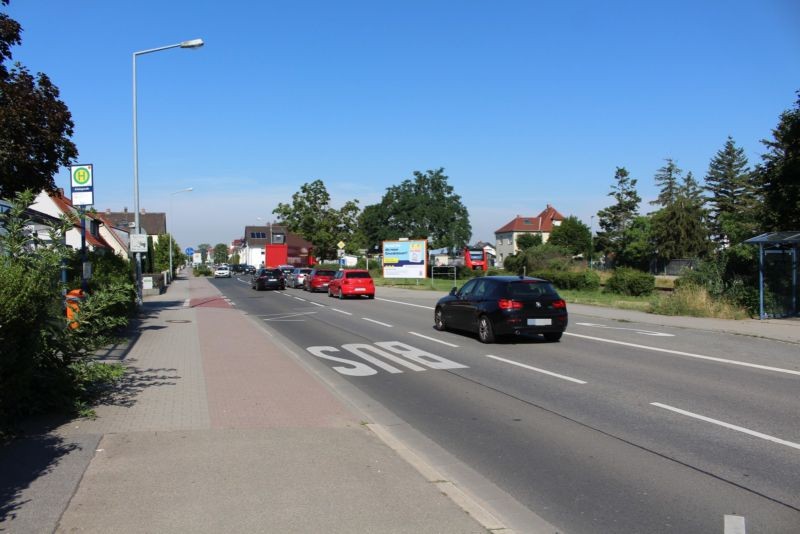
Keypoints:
pixel 530 289
pixel 325 273
pixel 358 275
pixel 305 271
pixel 272 272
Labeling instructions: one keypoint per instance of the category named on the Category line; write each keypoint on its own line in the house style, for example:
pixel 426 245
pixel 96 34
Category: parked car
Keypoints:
pixel 286 270
pixel 297 277
pixel 352 283
pixel 495 306
pixel 318 279
pixel 223 271
pixel 238 268
pixel 249 269
pixel 268 279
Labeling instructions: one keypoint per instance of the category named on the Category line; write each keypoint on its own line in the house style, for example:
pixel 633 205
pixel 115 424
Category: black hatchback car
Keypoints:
pixel 499 305
pixel 268 279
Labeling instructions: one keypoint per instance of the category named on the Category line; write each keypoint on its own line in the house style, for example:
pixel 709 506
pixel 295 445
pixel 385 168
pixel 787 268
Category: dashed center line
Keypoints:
pixel 317 304
pixel 298 298
pixel 728 425
pixel 341 311
pixel 433 339
pixel 377 322
pixel 563 377
pixel 405 303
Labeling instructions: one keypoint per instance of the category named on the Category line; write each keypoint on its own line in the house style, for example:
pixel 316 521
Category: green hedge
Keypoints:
pixel 585 280
pixel 626 281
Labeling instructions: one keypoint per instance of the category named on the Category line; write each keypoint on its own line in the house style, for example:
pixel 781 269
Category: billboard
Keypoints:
pixel 405 259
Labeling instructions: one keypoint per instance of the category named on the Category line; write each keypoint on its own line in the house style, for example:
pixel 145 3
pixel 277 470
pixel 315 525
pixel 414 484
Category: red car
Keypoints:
pixel 318 279
pixel 352 283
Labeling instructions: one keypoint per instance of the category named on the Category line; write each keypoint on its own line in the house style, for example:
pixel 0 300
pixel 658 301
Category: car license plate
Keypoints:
pixel 324 285
pixel 272 280
pixel 359 289
pixel 540 322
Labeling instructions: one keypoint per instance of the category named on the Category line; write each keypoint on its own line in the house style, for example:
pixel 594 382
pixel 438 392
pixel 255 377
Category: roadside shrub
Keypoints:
pixel 626 281
pixel 202 270
pixel 695 301
pixel 583 280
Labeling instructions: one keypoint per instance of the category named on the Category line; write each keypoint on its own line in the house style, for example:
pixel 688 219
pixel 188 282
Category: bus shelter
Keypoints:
pixel 777 273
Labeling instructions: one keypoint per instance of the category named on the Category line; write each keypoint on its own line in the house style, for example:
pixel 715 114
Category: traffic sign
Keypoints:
pixel 82 184
pixel 340 244
pixel 189 251
pixel 138 243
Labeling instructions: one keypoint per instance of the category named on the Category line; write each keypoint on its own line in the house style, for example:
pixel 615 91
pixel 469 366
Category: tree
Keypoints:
pixel 310 214
pixel 161 254
pixel 615 219
pixel 679 230
pixel 526 241
pixel 667 179
pixel 35 126
pixel 733 198
pixel 220 253
pixel 640 248
pixel 205 250
pixel 425 207
pixel 779 173
pixel 572 235
pixel 371 227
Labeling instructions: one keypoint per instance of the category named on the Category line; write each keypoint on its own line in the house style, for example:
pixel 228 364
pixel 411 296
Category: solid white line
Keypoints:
pixel 689 354
pixel 406 303
pixel 377 322
pixel 734 524
pixel 433 339
pixel 340 311
pixel 537 369
pixel 728 425
pixel 318 304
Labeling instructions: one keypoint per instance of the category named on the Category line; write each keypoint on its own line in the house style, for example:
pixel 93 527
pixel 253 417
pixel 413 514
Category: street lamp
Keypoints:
pixel 187 190
pixel 194 43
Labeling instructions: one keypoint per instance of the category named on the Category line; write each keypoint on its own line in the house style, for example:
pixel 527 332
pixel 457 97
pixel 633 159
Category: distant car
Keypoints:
pixel 268 279
pixel 223 271
pixel 249 269
pixel 238 267
pixel 297 277
pixel 318 279
pixel 352 283
pixel 286 270
pixel 495 306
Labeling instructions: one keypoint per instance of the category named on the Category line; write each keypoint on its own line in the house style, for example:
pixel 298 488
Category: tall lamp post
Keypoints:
pixel 187 190
pixel 194 43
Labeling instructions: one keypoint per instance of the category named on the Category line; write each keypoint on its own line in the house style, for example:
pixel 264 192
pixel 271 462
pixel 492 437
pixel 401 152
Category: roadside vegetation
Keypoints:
pixel 47 361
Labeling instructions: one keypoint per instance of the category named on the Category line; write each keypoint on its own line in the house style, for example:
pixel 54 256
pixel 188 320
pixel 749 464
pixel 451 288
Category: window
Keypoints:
pixel 258 235
pixel 358 275
pixel 279 239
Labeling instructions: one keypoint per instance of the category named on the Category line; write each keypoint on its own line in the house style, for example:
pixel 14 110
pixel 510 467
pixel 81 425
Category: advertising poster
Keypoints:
pixel 405 259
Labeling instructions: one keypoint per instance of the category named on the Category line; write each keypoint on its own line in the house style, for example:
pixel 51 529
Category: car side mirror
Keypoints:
pixel 453 291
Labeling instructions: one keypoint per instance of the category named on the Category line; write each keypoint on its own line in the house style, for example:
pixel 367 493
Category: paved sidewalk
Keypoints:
pixel 216 430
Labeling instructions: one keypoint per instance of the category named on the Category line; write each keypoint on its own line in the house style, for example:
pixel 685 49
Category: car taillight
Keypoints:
pixel 508 304
pixel 559 304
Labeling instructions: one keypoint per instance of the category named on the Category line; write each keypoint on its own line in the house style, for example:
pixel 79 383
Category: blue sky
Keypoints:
pixel 524 103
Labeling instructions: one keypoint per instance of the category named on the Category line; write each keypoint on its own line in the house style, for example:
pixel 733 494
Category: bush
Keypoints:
pixel 202 270
pixel 695 301
pixel 626 281
pixel 584 280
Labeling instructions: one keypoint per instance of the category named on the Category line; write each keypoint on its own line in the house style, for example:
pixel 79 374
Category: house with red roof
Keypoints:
pixel 507 235
pixel 55 204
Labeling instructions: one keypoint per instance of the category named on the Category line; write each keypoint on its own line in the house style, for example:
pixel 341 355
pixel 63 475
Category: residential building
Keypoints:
pixel 542 224
pixel 55 204
pixel 251 246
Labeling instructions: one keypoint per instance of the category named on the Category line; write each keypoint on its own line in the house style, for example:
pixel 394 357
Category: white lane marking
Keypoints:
pixel 728 425
pixel 377 322
pixel 284 316
pixel 563 377
pixel 318 304
pixel 242 281
pixel 637 330
pixel 689 354
pixel 434 339
pixel 187 303
pixel 734 524
pixel 406 303
pixel 341 311
pixel 298 298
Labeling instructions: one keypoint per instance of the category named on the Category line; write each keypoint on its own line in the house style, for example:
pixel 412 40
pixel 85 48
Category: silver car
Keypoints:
pixel 297 277
pixel 223 271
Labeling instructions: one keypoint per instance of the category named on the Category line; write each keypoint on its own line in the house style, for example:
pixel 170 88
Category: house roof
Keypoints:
pixel 152 223
pixel 539 223
pixel 65 205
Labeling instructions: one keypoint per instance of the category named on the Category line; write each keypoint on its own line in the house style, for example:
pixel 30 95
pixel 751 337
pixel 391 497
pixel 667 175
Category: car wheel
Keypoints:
pixel 485 330
pixel 372 296
pixel 438 320
pixel 341 295
pixel 552 337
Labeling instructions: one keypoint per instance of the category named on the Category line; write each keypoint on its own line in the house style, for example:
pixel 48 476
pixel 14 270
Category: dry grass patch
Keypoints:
pixel 694 301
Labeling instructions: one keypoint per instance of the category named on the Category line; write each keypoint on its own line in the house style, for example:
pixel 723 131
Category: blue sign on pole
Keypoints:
pixel 189 251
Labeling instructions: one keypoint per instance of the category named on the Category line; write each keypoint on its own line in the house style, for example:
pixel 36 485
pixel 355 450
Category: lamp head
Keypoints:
pixel 194 43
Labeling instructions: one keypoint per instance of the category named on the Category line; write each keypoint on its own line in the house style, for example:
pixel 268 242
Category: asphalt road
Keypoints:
pixel 620 427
